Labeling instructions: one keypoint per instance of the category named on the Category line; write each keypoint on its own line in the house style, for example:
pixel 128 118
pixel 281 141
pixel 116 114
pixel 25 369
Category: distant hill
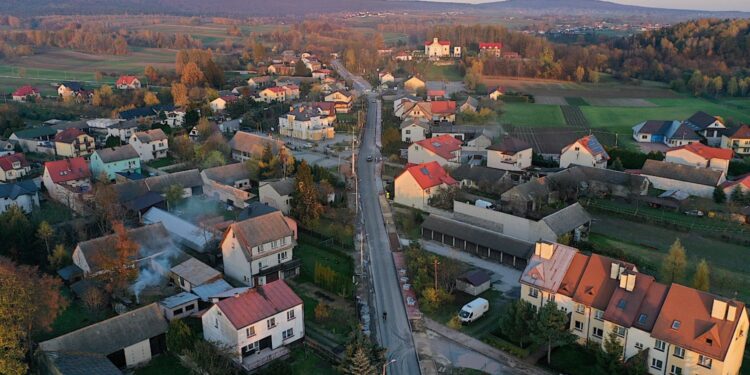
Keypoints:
pixel 274 8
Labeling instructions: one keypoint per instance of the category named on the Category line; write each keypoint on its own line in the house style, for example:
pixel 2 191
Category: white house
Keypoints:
pixel 496 93
pixel 277 194
pixel 220 104
pixel 444 149
pixel 386 77
pixel 308 122
pixel 700 155
pixel 259 250
pixel 418 183
pixel 343 100
pixel 710 127
pixel 437 48
pixel 128 83
pixel 68 182
pixel 414 130
pixel 586 151
pixel 150 144
pixel 511 154
pixel 23 194
pixel 696 181
pixel 13 167
pixel 257 324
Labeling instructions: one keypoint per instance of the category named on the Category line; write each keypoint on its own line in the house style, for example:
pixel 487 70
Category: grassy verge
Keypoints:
pixel 165 364
pixel 488 323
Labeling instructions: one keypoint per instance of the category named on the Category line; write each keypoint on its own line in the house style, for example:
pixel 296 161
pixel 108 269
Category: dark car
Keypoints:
pixel 369 158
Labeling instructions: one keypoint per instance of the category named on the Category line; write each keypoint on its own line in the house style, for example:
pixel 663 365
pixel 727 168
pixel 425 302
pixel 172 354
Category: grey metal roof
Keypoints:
pixel 182 231
pixel 701 119
pixel 195 272
pixel 481 236
pixel 679 172
pixel 510 145
pixel 475 277
pixel 111 335
pixel 128 191
pixel 178 299
pixel 67 273
pixel 208 290
pixel 567 219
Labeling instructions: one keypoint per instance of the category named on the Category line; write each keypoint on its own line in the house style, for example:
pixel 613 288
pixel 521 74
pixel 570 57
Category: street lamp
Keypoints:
pixel 385 365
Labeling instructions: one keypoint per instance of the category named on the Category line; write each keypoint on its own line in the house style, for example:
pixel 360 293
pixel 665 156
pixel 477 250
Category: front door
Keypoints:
pixel 265 343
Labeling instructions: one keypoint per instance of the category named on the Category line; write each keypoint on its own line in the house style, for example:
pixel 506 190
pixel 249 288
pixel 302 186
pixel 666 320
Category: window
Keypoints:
pixel 656 363
pixel 644 136
pixel 660 345
pixel 642 318
pixel 579 326
pixel 679 352
pixel 710 342
pixel 639 346
pixel 580 308
pixel 621 304
pixel 216 322
pixel 675 370
pixel 704 361
pixel 620 331
pixel 597 332
pixel 290 315
pixel 250 331
pixel 289 333
pixel 408 131
pixel 271 323
pixel 599 315
pixel 177 311
pixel 281 256
pixel 533 293
pixel 676 324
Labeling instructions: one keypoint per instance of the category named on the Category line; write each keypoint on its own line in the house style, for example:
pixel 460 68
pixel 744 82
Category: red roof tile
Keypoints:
pixel 126 80
pixel 429 175
pixel 68 135
pixel 624 305
pixel 26 91
pixel 706 152
pixel 6 162
pixel 573 275
pixel 743 180
pixel 68 170
pixel 441 42
pixel 490 45
pixel 743 132
pixel 443 146
pixel 443 107
pixel 596 285
pixel 276 89
pixel 259 303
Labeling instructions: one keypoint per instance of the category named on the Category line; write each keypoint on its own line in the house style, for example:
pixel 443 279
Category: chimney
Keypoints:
pixel 719 309
pixel 544 250
pixel 614 271
pixel 731 313
pixel 630 283
pixel 623 281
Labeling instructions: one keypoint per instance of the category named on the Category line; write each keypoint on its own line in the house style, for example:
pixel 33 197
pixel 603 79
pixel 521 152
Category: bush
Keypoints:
pixel 179 337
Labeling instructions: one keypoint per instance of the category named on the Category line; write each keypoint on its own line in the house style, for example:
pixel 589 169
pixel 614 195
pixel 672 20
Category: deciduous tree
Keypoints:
pixel 551 328
pixel 702 277
pixel 45 233
pixel 673 265
pixel 305 204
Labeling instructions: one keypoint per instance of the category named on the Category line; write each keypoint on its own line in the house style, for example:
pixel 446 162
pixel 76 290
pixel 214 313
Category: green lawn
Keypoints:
pixel 76 316
pixel 165 364
pixel 532 115
pixel 305 361
pixel 442 73
pixel 163 162
pixel 479 328
pixel 572 359
pixel 311 253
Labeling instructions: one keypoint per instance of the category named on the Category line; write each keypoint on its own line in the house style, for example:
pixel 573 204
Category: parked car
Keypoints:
pixel 369 158
pixel 697 213
pixel 473 310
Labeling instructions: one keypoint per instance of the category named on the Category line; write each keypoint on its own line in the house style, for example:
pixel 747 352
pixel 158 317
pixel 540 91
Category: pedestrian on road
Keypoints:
pixel 385 315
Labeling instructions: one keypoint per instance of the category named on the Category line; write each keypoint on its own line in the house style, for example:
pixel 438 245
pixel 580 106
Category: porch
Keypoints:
pixel 263 357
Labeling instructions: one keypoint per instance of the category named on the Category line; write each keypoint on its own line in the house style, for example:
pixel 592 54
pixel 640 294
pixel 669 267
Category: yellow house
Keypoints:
pixel 413 84
pixel 73 143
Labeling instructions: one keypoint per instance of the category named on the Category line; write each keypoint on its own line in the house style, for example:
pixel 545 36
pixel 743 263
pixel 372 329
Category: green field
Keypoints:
pixel 434 72
pixel 532 115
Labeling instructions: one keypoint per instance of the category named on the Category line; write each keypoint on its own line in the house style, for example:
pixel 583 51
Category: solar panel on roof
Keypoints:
pixel 436 144
pixel 424 171
pixel 595 146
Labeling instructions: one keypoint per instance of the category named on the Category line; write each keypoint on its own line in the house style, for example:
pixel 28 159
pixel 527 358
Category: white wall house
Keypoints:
pixel 150 144
pixel 417 184
pixel 700 155
pixel 511 154
pixel 277 194
pixel 586 151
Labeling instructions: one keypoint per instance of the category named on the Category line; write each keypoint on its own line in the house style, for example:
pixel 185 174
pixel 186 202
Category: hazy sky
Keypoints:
pixel 743 5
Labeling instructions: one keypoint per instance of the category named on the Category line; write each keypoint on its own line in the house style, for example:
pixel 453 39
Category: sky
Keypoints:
pixel 742 5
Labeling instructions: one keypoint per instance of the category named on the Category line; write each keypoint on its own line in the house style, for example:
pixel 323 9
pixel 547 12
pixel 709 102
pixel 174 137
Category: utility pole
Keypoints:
pixel 435 262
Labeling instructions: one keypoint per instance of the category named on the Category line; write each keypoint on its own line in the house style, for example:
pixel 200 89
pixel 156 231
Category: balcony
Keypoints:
pixel 263 357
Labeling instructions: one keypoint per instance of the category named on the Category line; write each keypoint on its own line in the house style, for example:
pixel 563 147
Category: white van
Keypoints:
pixel 484 204
pixel 473 310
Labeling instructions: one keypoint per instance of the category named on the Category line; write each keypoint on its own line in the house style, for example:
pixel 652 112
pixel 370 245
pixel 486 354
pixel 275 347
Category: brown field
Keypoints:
pixel 608 90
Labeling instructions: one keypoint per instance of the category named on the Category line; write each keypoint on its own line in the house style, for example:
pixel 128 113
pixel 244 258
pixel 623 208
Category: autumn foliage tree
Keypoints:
pixel 305 204
pixel 116 262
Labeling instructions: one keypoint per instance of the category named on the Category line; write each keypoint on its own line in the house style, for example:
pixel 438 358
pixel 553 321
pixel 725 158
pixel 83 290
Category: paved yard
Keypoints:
pixel 648 147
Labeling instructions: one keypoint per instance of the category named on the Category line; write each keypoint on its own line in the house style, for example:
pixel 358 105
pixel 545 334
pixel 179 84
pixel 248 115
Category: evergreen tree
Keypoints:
pixel 719 196
pixel 608 360
pixel 617 165
pixel 736 195
pixel 362 357
pixel 517 322
pixel 673 266
pixel 551 328
pixel 701 279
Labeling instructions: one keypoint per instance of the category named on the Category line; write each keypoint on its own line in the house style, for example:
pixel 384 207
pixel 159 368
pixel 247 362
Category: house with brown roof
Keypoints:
pixel 738 141
pixel 260 249
pixel 13 167
pixel 700 155
pixel 68 182
pixel 193 273
pixel 248 145
pixel 511 154
pixel 257 324
pixel 343 100
pixel 444 149
pixel 419 182
pixel 72 142
pixel 228 183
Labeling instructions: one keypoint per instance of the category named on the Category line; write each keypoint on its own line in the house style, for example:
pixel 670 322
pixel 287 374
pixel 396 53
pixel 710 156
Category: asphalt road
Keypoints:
pixel 394 333
pixel 359 83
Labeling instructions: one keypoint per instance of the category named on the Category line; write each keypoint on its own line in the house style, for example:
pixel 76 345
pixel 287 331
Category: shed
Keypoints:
pixel 179 305
pixel 204 292
pixel 474 282
pixel 193 273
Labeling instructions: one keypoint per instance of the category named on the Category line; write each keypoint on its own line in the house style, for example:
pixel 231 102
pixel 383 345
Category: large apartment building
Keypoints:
pixel 682 330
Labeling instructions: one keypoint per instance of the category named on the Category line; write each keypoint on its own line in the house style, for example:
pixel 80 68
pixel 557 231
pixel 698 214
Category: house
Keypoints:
pixel 259 250
pixel 259 82
pixel 401 102
pixel 419 182
pixel 490 49
pixel 385 77
pixel 13 167
pixel 150 144
pixel 128 83
pixel 228 183
pixel 414 130
pixel 742 183
pixel 122 130
pixel 175 118
pixel 435 95
pixel 73 143
pixel 343 100
pixel 110 161
pixel 402 56
pixel 307 122
pixel 248 145
pixel 585 151
pixel 220 104
pixel 6 148
pixel 474 282
pixel 142 194
pixel 198 238
pixel 71 89
pixel 444 149
pixel 256 325
pixel 193 273
pixel 280 70
pixel 68 181
pixel 471 104
pixel 671 133
pixel 496 93
pixel 143 114
pixel 738 141
pixel 413 84
pixel 696 181
pixel 25 93
pixel 179 306
pixel 700 155
pixel 272 94
pixel 484 178
pixel 277 194
pixel 709 127
pixel 321 74
pixel 435 111
pixel 126 340
pixel 437 48
pixel 40 140
pixel 511 154
pixel 679 330
pixel 24 194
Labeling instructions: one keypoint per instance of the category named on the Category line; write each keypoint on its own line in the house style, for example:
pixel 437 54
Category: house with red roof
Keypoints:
pixel 13 167
pixel 128 83
pixel 490 49
pixel 496 93
pixel 419 182
pixel 272 94
pixel 742 183
pixel 257 324
pixel 586 151
pixel 435 94
pixel 68 181
pixel 437 48
pixel 700 155
pixel 444 149
pixel 24 92
pixel 738 141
